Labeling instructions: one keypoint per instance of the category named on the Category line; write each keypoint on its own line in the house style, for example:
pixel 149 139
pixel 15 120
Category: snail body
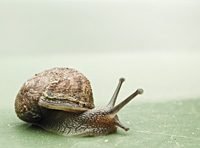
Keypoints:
pixel 60 100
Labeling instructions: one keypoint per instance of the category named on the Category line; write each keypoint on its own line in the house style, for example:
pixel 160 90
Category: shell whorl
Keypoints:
pixel 61 84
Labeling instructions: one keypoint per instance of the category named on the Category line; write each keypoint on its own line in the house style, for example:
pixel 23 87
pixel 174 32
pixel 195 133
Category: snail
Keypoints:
pixel 60 100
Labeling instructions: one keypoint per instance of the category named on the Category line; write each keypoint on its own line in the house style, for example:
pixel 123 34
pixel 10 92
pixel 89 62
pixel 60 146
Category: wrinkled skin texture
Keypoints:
pixel 94 122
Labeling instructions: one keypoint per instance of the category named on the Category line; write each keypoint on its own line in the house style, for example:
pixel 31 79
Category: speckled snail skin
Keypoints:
pixel 60 100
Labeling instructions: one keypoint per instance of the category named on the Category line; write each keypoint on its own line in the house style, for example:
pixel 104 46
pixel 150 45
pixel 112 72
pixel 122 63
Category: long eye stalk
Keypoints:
pixel 113 111
pixel 114 97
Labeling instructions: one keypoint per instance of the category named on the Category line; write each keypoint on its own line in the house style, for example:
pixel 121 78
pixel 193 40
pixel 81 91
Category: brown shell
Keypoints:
pixel 56 85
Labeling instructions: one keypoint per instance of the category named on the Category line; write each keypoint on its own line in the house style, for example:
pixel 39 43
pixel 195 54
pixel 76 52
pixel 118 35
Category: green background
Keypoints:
pixel 153 44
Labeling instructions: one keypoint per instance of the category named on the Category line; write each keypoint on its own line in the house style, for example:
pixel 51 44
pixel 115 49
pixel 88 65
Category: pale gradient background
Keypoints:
pixel 154 44
pixel 91 26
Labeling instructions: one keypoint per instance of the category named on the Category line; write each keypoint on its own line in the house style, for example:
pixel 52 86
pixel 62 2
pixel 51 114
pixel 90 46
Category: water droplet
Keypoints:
pixel 106 140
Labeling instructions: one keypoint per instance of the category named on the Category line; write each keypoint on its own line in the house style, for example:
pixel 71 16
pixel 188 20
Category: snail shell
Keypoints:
pixel 58 88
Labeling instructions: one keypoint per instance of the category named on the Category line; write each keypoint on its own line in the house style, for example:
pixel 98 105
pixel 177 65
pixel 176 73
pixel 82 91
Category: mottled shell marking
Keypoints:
pixel 60 84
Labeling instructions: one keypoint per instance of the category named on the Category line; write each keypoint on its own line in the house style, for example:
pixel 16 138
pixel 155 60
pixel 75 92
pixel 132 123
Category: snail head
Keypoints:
pixel 113 110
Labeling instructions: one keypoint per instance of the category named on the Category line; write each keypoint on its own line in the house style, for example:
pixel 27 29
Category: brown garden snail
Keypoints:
pixel 60 100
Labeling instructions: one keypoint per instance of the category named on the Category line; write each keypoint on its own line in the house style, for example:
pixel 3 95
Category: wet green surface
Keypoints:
pixel 170 124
